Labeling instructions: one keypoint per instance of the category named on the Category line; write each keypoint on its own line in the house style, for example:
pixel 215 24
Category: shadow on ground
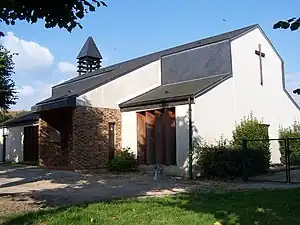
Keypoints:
pixel 56 188
pixel 247 208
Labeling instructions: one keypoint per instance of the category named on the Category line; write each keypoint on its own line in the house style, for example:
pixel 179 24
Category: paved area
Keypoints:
pixel 63 187
pixel 52 188
pixel 279 176
pixel 27 188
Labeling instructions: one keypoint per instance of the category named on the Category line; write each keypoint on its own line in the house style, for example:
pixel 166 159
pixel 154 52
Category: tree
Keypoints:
pixel 4 116
pixel 252 129
pixel 10 114
pixel 292 24
pixel 7 86
pixel 61 13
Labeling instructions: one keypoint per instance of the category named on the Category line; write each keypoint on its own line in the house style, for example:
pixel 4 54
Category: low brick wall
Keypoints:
pixel 90 136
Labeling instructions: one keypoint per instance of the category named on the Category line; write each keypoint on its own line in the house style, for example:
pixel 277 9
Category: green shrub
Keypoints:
pixel 227 162
pixel 124 161
pixel 226 159
pixel 251 129
pixel 294 145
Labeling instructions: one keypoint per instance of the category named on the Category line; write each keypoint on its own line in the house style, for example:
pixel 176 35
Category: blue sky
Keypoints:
pixel 127 29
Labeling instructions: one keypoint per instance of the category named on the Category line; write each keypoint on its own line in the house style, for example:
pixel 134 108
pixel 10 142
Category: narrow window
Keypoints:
pixel 111 140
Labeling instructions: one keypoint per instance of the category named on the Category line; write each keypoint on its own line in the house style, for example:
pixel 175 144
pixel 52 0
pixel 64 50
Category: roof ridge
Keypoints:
pixel 167 51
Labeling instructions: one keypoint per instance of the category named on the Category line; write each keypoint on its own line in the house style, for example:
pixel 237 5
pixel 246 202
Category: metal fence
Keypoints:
pixel 288 171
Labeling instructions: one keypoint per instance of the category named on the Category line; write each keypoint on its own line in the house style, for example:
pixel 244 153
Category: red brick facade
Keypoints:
pixel 85 142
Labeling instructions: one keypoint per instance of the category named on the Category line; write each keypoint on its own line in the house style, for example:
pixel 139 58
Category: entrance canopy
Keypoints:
pixel 172 94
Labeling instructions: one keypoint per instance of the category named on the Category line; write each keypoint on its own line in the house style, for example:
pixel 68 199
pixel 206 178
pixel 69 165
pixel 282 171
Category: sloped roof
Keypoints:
pixel 89 49
pixel 20 119
pixel 84 83
pixel 174 92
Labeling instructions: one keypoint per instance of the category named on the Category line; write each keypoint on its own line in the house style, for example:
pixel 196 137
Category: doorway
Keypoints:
pixel 156 137
pixel 31 144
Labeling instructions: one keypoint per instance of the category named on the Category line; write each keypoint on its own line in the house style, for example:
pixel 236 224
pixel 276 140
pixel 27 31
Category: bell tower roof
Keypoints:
pixel 89 58
pixel 89 50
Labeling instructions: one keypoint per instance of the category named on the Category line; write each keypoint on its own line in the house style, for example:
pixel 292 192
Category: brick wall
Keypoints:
pixel 50 152
pixel 90 136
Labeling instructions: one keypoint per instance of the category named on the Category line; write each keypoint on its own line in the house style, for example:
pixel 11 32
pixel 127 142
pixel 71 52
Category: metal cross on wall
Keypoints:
pixel 260 54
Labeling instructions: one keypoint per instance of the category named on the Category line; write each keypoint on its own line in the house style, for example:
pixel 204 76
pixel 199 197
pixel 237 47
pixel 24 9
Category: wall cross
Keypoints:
pixel 261 55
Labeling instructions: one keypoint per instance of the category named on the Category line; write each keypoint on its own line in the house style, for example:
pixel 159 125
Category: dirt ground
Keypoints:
pixel 27 188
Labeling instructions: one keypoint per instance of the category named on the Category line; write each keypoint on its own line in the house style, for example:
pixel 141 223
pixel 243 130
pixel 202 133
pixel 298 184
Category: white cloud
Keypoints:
pixel 31 55
pixel 44 90
pixel 26 90
pixel 29 95
pixel 35 59
pixel 66 67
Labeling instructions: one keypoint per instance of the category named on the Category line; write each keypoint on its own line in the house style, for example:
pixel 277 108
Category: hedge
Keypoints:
pixel 227 162
pixel 124 161
pixel 226 159
pixel 252 129
pixel 294 145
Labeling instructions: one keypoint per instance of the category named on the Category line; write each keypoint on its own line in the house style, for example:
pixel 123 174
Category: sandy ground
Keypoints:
pixel 27 188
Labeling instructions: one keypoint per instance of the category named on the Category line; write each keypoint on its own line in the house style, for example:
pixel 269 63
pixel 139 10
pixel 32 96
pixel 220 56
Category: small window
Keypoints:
pixel 111 140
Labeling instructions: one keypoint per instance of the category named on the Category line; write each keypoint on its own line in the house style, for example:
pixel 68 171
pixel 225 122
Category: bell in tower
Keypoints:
pixel 89 58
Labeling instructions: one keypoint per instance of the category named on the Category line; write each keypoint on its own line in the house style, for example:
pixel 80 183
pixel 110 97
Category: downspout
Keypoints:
pixel 190 169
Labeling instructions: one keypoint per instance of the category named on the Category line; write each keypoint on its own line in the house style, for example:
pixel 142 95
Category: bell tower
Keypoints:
pixel 89 58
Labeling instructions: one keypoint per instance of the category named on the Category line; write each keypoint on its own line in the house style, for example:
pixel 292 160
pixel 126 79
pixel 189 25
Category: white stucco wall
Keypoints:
pixel 214 113
pixel 110 95
pixel 268 102
pixel 14 151
pixel 14 144
pixel 182 135
pixel 217 111
pixel 1 144
pixel 129 131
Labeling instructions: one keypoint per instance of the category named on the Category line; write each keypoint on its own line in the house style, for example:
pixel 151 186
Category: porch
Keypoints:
pixel 156 137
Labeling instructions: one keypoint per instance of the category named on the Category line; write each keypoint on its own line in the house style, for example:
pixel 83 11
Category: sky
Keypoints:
pixel 128 29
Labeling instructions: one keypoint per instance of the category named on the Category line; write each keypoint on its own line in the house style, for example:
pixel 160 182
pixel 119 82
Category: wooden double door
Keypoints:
pixel 156 130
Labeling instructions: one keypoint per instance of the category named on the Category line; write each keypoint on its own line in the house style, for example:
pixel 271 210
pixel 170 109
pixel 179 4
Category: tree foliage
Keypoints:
pixel 4 116
pixel 225 159
pixel 292 24
pixel 294 145
pixel 62 13
pixel 10 114
pixel 251 129
pixel 124 161
pixel 7 85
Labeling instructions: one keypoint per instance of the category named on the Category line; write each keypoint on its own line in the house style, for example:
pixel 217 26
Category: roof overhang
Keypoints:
pixel 174 94
pixel 29 118
pixel 55 104
pixel 164 103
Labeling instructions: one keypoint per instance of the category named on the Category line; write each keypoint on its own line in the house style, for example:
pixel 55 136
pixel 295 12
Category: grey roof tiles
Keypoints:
pixel 84 83
pixel 174 92
pixel 27 117
pixel 89 49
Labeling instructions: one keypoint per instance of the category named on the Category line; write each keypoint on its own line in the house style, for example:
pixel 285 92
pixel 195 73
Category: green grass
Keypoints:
pixel 243 208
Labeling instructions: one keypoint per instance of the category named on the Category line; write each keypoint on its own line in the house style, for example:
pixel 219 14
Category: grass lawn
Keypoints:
pixel 243 208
